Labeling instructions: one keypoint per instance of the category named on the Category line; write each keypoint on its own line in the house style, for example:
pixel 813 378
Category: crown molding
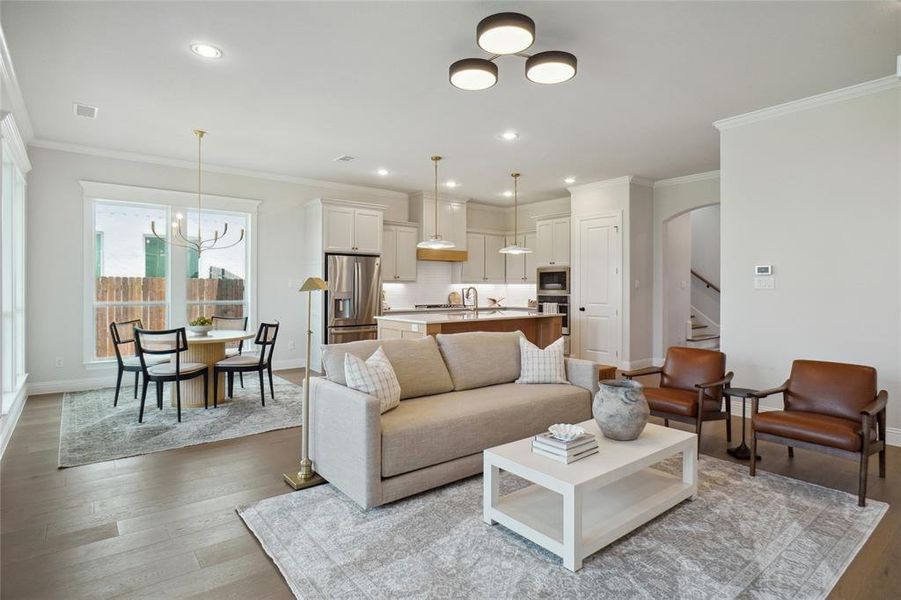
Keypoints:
pixel 101 190
pixel 557 215
pixel 9 131
pixel 642 181
pixel 624 180
pixel 495 208
pixel 831 97
pixel 187 164
pixel 687 179
pixel 430 196
pixel 11 83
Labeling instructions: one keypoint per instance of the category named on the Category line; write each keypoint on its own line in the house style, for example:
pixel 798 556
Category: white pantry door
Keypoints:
pixel 600 289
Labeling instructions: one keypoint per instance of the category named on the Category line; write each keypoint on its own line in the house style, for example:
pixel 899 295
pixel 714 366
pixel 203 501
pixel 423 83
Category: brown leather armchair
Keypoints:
pixel 691 388
pixel 829 407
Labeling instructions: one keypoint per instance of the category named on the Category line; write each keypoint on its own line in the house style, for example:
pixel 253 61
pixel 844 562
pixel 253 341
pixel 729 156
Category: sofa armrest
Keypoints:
pixel 583 373
pixel 876 406
pixel 346 440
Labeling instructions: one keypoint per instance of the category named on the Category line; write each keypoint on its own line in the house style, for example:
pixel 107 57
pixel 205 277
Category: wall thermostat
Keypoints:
pixel 763 270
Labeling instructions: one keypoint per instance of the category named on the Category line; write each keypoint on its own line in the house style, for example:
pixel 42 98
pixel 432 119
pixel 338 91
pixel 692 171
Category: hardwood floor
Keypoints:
pixel 164 524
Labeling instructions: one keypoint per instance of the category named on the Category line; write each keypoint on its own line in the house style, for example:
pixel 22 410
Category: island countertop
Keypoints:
pixel 428 318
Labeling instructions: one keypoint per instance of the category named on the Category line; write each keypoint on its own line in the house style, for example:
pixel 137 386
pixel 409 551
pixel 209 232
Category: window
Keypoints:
pixel 12 284
pixel 132 274
pixel 130 282
pixel 216 279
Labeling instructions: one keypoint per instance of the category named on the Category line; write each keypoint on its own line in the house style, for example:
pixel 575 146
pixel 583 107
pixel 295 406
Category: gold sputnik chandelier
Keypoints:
pixel 180 238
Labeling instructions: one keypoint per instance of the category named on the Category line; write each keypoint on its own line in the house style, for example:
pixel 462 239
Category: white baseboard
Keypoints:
pixel 11 419
pixel 893 436
pixel 636 364
pixel 288 363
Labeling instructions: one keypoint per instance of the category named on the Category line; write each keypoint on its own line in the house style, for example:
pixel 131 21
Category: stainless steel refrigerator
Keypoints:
pixel 353 298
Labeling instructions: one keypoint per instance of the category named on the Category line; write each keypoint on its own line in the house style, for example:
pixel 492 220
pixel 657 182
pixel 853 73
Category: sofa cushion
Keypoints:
pixel 542 365
pixel 815 428
pixel 481 358
pixel 426 431
pixel 375 377
pixel 418 365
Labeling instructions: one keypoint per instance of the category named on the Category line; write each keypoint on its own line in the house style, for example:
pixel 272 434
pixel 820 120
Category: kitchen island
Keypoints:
pixel 539 328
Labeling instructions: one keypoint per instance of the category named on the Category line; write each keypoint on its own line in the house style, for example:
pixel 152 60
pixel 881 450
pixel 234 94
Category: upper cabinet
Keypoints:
pixel 552 244
pixel 451 217
pixel 522 268
pixel 485 264
pixel 399 253
pixel 351 228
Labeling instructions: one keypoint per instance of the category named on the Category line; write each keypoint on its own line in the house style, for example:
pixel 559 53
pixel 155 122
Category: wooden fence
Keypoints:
pixel 153 289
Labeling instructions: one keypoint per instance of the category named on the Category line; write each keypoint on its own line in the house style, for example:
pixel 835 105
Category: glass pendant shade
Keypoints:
pixel 473 74
pixel 435 241
pixel 515 249
pixel 551 67
pixel 505 33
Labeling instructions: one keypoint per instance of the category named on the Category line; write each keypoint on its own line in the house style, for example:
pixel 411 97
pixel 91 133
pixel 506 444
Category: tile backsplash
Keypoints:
pixel 435 280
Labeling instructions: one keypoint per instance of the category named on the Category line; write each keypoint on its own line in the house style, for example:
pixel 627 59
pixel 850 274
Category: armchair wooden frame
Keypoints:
pixel 871 415
pixel 701 416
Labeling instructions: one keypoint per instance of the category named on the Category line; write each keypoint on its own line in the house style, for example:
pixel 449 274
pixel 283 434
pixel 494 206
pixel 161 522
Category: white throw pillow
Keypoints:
pixel 541 366
pixel 374 376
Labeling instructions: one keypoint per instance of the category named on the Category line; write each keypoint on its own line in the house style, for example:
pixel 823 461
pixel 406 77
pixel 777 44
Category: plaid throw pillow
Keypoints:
pixel 375 377
pixel 541 366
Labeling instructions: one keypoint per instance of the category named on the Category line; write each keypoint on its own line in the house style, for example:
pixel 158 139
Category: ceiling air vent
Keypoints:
pixel 83 110
pixel 345 158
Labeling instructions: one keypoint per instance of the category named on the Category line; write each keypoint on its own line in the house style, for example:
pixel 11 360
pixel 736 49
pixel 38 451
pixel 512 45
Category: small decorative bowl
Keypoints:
pixel 565 432
pixel 199 330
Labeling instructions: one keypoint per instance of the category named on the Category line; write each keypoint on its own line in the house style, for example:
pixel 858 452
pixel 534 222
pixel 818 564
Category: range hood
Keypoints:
pixel 452 225
pixel 442 255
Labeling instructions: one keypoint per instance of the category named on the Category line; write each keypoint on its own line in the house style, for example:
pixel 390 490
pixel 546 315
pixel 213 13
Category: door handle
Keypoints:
pixel 581 309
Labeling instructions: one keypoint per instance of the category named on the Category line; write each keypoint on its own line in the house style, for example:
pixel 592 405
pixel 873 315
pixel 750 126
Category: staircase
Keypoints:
pixel 702 333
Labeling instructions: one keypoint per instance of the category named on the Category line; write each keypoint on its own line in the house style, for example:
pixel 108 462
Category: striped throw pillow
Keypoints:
pixel 541 366
pixel 374 376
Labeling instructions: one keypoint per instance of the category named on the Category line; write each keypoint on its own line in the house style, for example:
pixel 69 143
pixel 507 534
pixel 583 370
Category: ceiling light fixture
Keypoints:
pixel 382 172
pixel 505 34
pixel 569 180
pixel 515 248
pixel 510 135
pixel 435 242
pixel 206 50
pixel 507 194
pixel 451 184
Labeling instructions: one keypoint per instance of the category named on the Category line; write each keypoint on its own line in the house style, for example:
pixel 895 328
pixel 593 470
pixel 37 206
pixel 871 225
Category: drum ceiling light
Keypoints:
pixel 505 34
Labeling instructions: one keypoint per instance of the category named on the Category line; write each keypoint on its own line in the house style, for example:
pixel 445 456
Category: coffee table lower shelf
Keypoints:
pixel 608 513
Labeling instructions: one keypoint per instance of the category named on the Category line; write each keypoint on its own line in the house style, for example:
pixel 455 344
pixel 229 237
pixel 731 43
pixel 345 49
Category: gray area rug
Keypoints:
pixel 93 431
pixel 766 537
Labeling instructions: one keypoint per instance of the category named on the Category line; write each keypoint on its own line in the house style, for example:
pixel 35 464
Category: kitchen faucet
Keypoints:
pixel 471 291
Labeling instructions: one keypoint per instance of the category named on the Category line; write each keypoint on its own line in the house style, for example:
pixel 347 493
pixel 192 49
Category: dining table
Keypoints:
pixel 207 349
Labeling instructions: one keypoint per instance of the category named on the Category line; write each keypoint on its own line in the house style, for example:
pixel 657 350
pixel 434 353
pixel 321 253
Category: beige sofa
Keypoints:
pixel 457 398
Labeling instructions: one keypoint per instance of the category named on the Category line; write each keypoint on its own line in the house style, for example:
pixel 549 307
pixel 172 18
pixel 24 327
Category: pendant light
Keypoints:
pixel 515 248
pixel 435 242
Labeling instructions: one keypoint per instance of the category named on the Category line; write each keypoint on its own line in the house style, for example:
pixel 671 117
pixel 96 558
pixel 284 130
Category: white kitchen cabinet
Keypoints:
pixel 522 268
pixel 485 264
pixel 552 244
pixel 451 218
pixel 351 229
pixel 399 253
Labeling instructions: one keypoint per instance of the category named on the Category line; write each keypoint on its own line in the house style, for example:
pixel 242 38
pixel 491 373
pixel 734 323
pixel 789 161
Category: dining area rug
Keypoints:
pixel 763 537
pixel 92 430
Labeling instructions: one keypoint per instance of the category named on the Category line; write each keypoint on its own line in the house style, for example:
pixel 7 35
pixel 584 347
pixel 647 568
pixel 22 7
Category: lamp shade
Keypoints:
pixel 473 74
pixel 436 243
pixel 553 66
pixel 313 284
pixel 505 33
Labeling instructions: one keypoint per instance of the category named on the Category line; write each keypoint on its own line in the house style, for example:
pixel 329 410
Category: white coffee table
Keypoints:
pixel 575 510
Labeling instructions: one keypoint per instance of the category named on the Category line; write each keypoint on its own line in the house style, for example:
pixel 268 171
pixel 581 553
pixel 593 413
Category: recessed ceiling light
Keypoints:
pixel 382 172
pixel 206 50
pixel 509 135
pixel 569 180
pixel 507 194
pixel 451 184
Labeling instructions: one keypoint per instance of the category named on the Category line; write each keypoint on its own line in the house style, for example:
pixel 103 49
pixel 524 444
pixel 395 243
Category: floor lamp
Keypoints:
pixel 306 477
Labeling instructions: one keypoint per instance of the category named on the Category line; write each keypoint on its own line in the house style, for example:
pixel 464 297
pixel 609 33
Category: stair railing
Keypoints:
pixel 706 281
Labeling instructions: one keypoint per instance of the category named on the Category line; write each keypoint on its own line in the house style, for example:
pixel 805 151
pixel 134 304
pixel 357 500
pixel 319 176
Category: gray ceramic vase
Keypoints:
pixel 620 409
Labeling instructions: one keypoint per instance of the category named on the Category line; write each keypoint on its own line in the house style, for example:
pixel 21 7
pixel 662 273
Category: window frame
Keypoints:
pixel 176 288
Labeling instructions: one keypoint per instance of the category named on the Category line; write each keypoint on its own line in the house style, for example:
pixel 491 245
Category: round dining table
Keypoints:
pixel 208 349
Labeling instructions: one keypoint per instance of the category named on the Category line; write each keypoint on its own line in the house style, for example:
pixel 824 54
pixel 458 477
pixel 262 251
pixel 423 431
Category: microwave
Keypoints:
pixel 553 281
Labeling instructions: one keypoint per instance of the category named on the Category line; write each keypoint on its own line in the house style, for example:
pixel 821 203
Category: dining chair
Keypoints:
pixel 232 323
pixel 692 381
pixel 247 363
pixel 123 333
pixel 161 343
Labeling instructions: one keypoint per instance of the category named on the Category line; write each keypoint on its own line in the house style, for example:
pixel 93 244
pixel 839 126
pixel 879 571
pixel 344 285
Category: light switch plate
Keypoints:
pixel 764 283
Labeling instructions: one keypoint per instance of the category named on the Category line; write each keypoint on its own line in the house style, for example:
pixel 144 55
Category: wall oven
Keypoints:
pixel 553 281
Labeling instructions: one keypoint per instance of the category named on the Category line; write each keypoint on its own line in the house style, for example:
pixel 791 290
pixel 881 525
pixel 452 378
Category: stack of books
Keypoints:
pixel 547 445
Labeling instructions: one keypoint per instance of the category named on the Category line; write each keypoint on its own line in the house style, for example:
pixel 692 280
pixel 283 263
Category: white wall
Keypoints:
pixel 705 260
pixel 673 197
pixel 639 275
pixel 813 189
pixel 676 278
pixel 55 267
